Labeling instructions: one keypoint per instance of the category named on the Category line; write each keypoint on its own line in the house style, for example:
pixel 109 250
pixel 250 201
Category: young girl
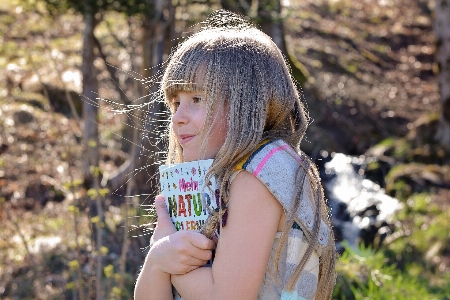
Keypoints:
pixel 232 99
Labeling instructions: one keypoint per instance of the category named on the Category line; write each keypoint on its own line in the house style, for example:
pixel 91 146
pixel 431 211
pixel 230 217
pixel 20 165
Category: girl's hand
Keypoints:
pixel 164 226
pixel 177 252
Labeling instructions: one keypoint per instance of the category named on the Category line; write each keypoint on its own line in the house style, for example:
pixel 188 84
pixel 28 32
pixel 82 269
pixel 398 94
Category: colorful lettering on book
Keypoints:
pixel 187 196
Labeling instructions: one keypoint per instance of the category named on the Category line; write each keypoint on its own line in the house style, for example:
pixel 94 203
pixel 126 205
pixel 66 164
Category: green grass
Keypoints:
pixel 364 273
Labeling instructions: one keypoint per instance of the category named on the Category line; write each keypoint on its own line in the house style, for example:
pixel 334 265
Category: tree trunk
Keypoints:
pixel 238 6
pixel 146 147
pixel 91 141
pixel 442 29
pixel 90 94
pixel 270 18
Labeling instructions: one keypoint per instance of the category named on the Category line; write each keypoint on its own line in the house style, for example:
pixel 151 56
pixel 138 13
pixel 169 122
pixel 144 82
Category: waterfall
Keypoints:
pixel 360 209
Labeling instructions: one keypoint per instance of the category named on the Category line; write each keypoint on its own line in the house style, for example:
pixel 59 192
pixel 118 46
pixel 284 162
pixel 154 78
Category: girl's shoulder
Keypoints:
pixel 281 169
pixel 268 154
pixel 278 166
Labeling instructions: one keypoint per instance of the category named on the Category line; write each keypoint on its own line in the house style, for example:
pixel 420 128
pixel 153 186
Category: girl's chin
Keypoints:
pixel 190 157
pixel 187 157
pixel 189 160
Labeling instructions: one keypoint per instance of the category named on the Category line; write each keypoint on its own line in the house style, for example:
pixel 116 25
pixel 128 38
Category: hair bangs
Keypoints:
pixel 185 72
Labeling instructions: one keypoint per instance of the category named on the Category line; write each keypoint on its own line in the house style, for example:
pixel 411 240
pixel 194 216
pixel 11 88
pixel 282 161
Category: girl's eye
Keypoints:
pixel 175 105
pixel 197 99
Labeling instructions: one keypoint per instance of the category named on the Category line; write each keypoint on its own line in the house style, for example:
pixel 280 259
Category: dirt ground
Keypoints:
pixel 373 68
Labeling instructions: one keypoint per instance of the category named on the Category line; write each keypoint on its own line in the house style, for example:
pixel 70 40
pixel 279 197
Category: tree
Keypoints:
pixel 88 9
pixel 92 11
pixel 90 93
pixel 269 17
pixel 142 163
pixel 442 29
pixel 241 6
pixel 157 34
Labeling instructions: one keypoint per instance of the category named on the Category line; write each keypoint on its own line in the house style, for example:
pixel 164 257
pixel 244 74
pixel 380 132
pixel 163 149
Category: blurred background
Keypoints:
pixel 80 140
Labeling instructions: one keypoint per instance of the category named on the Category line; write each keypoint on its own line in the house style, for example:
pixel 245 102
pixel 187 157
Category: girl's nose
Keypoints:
pixel 180 116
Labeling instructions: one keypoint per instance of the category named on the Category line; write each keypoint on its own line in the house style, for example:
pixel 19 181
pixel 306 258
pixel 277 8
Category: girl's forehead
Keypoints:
pixel 185 83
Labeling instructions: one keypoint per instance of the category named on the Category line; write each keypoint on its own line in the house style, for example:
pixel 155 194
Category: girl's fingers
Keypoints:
pixel 196 263
pixel 205 255
pixel 200 254
pixel 161 210
pixel 189 263
pixel 200 241
pixel 164 226
pixel 177 252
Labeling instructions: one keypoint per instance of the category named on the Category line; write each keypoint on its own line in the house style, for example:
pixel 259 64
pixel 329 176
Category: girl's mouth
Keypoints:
pixel 184 138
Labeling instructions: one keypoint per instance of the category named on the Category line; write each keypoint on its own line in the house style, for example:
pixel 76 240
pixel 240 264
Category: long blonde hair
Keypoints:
pixel 238 68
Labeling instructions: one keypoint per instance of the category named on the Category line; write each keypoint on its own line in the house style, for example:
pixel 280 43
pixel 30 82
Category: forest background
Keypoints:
pixel 79 141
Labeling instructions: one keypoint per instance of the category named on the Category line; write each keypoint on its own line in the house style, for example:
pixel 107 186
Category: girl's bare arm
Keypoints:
pixel 153 284
pixel 244 247
pixel 171 252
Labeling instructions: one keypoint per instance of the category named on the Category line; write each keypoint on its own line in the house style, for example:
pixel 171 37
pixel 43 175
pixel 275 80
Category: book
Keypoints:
pixel 188 195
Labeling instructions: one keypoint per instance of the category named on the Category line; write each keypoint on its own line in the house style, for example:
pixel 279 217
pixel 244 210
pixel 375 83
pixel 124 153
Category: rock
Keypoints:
pixel 42 192
pixel 60 103
pixel 23 117
pixel 33 99
pixel 3 148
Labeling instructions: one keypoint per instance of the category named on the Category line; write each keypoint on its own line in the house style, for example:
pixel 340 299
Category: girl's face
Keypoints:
pixel 188 121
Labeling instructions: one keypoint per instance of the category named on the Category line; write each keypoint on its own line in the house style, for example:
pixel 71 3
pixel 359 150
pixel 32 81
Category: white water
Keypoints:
pixel 347 189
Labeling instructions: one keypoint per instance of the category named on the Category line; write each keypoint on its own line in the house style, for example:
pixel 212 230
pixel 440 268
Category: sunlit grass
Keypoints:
pixel 364 273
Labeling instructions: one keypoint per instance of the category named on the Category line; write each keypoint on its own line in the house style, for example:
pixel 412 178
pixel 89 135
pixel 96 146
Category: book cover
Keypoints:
pixel 187 195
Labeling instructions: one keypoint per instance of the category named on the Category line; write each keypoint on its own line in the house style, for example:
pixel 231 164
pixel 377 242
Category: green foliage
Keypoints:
pixel 74 264
pixel 92 144
pixel 93 193
pixel 104 250
pixel 340 6
pixel 381 48
pixel 108 271
pixel 389 142
pixel 373 165
pixel 129 7
pixel 73 184
pixel 427 230
pixel 367 274
pixel 400 149
pixel 351 68
pixel 95 220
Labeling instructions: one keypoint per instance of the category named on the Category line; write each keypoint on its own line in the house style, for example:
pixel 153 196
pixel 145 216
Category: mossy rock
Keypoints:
pixel 56 101
pixel 424 130
pixel 418 146
pixel 406 179
pixel 34 99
